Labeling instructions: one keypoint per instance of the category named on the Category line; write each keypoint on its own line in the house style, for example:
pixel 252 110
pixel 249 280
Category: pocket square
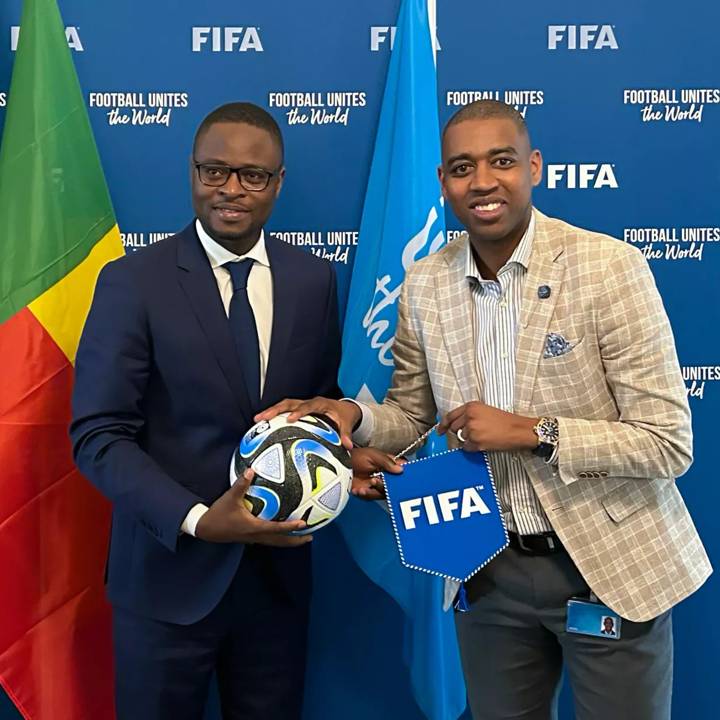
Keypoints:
pixel 556 345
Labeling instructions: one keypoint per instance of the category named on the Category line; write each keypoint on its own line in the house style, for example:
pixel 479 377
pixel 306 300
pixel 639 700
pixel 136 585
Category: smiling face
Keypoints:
pixel 230 214
pixel 487 174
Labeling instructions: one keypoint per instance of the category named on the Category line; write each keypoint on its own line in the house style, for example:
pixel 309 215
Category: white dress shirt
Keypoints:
pixel 260 295
pixel 496 313
pixel 496 317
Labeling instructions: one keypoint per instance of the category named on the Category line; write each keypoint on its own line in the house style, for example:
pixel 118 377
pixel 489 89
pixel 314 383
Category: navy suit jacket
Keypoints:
pixel 160 404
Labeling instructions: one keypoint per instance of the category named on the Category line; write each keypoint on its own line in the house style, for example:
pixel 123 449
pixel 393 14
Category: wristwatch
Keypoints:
pixel 548 435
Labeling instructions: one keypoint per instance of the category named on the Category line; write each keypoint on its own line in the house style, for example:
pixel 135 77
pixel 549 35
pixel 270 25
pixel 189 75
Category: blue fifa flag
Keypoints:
pixel 403 218
pixel 403 221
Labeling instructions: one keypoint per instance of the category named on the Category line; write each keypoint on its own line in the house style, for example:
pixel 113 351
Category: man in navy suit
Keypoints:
pixel 185 342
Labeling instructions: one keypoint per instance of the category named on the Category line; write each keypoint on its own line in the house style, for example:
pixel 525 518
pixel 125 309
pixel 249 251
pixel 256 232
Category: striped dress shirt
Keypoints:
pixel 496 315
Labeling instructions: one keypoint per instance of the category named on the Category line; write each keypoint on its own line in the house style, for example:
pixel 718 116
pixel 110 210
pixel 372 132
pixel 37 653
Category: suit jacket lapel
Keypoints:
pixel 285 303
pixel 198 281
pixel 546 268
pixel 455 312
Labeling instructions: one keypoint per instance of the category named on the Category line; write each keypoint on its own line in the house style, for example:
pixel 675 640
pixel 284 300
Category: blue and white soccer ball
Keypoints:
pixel 302 471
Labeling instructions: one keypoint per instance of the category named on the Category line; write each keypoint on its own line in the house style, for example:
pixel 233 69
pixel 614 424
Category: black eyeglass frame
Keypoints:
pixel 236 171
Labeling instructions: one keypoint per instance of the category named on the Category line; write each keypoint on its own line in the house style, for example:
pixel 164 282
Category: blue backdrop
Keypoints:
pixel 622 99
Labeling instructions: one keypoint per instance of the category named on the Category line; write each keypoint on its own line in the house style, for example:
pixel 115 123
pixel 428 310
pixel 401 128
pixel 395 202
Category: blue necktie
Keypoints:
pixel 244 329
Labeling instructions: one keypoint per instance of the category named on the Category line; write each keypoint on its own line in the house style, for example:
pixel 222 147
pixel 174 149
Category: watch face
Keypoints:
pixel 548 431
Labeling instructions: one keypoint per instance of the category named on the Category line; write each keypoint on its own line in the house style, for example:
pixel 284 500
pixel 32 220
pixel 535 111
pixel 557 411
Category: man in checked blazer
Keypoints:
pixel 548 346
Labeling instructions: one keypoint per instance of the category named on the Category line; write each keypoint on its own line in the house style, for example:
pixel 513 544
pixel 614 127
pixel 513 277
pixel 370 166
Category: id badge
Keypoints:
pixel 592 618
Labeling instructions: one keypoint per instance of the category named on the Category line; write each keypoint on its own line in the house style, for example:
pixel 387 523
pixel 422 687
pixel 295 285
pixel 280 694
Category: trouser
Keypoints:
pixel 255 640
pixel 514 645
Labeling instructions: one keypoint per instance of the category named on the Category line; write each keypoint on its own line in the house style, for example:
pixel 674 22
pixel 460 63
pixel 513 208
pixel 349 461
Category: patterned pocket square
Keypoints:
pixel 556 345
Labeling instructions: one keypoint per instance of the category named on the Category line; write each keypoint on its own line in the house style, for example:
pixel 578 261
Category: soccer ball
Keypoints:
pixel 302 471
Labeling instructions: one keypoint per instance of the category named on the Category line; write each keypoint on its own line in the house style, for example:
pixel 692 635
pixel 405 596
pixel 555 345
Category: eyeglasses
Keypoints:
pixel 251 178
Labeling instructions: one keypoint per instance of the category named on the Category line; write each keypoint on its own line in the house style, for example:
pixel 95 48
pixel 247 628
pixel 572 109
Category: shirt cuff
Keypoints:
pixel 363 432
pixel 553 459
pixel 192 518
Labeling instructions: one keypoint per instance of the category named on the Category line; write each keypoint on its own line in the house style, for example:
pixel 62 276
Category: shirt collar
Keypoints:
pixel 218 255
pixel 520 256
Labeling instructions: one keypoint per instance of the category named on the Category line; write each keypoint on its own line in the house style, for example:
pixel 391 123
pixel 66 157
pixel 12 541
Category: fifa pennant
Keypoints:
pixel 446 514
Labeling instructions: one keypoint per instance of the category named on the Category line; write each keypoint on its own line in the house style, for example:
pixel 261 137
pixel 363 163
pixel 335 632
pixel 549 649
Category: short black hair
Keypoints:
pixel 241 112
pixel 485 109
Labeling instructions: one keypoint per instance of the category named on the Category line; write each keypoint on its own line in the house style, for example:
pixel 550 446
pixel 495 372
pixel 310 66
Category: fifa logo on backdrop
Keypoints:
pixel 582 37
pixel 71 33
pixel 581 176
pixel 449 504
pixel 384 36
pixel 226 39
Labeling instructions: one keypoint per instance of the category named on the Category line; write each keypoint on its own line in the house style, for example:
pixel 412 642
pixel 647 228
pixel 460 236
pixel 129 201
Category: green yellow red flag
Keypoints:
pixel 57 229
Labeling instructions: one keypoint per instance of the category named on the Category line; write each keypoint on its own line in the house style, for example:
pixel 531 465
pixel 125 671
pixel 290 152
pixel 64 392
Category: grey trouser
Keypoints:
pixel 513 645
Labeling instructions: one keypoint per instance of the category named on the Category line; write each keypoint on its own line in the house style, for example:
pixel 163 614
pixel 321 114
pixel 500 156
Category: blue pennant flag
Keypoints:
pixel 403 221
pixel 446 514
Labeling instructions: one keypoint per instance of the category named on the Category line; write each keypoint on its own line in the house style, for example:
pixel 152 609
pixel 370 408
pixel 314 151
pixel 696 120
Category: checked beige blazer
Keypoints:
pixel 619 397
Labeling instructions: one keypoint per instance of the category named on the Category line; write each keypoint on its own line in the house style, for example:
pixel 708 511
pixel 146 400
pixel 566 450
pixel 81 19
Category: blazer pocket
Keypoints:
pixel 624 501
pixel 564 371
pixel 575 346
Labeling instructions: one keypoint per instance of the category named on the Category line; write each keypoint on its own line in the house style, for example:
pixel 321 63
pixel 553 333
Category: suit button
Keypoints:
pixel 603 473
pixel 582 475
